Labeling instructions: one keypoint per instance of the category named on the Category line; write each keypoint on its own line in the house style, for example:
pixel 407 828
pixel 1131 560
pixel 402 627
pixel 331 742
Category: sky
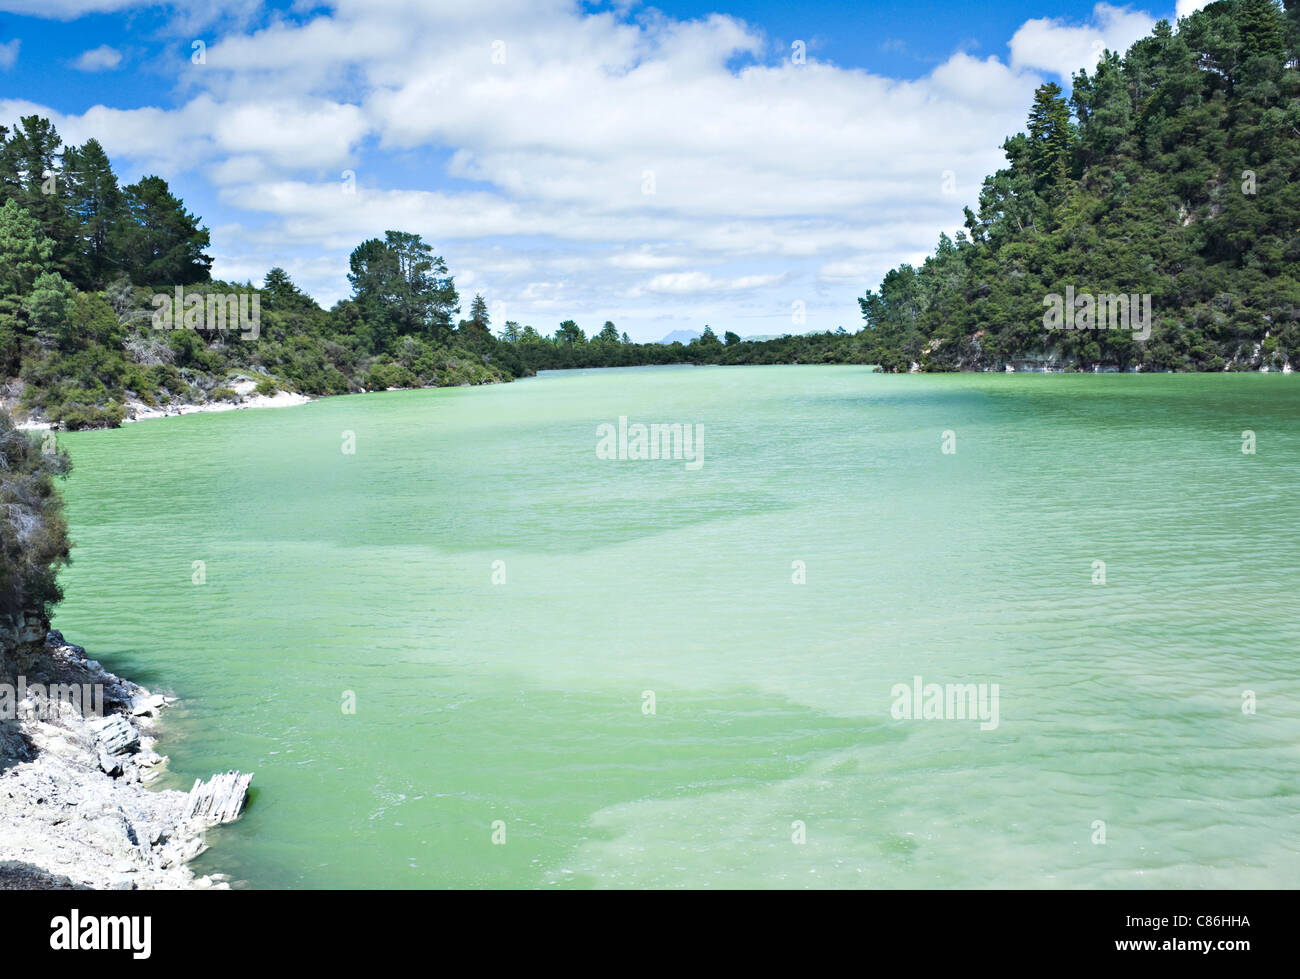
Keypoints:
pixel 754 166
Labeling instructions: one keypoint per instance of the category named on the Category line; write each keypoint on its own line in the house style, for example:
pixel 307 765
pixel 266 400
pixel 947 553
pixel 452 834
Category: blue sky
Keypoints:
pixel 663 166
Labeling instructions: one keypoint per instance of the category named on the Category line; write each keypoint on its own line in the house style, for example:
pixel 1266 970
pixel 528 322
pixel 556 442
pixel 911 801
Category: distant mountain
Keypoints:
pixel 681 336
pixel 686 336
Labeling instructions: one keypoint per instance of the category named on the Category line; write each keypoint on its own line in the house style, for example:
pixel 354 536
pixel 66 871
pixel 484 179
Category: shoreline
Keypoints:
pixel 76 804
pixel 138 411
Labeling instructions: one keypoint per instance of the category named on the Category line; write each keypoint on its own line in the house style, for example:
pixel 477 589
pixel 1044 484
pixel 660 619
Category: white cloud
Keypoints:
pixel 858 268
pixel 1188 7
pixel 1052 45
pixel 102 58
pixel 164 141
pixel 644 258
pixel 683 283
pixel 9 53
pixel 187 13
pixel 290 133
pixel 65 9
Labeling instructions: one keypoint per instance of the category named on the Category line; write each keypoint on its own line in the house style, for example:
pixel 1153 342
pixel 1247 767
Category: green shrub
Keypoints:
pixel 76 417
pixel 33 534
pixel 383 376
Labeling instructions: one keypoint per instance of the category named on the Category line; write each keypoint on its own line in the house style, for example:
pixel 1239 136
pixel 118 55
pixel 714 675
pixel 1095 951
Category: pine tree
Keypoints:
pixel 160 242
pixel 1051 139
pixel 31 161
pixel 98 206
pixel 478 311
pixel 50 307
pixel 25 255
pixel 1263 30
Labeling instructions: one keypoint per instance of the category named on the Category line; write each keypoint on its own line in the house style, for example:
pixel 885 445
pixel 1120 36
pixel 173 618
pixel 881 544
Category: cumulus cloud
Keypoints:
pixel 1054 46
pixel 644 258
pixel 65 9
pixel 102 58
pixel 9 53
pixel 689 282
pixel 1188 7
pixel 186 13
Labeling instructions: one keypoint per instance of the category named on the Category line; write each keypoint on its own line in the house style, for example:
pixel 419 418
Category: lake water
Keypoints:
pixel 650 699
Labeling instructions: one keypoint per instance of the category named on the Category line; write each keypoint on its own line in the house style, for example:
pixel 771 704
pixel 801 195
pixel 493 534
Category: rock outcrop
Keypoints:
pixel 75 801
pixel 22 641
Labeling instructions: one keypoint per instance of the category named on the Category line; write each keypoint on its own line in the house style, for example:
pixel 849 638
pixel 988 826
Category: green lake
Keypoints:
pixel 642 674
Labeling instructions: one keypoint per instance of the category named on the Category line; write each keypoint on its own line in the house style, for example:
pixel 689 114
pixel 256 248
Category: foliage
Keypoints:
pixel 33 533
pixel 1178 177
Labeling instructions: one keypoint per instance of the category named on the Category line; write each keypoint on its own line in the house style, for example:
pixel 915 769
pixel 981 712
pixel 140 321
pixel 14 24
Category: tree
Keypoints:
pixel 1051 138
pixel 1104 107
pixel 402 288
pixel 25 254
pixel 50 308
pixel 570 334
pixel 279 293
pixel 30 162
pixel 161 243
pixel 1263 29
pixel 29 157
pixel 478 312
pixel 476 331
pixel 98 206
pixel 608 333
pixel 25 250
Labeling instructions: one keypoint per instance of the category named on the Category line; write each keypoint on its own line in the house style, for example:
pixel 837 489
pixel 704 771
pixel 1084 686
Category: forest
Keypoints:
pixel 1172 171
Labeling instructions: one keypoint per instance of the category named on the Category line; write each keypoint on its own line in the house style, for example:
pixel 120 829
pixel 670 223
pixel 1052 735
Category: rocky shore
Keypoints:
pixel 76 807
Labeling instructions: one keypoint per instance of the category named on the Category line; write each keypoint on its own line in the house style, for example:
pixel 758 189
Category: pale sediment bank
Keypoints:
pixel 76 809
pixel 136 410
pixel 139 411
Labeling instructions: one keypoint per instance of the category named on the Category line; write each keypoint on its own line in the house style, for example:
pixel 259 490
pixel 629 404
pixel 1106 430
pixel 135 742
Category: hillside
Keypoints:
pixel 1171 172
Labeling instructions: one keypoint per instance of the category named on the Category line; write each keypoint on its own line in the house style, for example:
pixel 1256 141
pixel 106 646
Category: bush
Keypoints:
pixel 33 534
pixel 383 376
pixel 77 417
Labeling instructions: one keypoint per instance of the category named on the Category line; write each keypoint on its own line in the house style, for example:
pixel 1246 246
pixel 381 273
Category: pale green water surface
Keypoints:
pixel 523 701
